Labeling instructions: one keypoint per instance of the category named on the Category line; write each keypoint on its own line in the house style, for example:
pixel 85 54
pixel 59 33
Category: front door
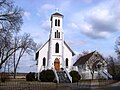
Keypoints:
pixel 57 64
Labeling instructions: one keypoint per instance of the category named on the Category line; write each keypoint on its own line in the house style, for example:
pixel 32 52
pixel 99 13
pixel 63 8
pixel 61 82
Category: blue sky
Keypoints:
pixel 88 25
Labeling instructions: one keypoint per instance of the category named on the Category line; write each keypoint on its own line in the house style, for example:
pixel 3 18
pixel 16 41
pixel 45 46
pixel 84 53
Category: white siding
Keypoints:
pixel 43 52
pixel 67 54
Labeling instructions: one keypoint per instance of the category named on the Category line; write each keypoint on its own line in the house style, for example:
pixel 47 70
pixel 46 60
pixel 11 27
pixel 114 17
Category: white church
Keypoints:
pixel 56 53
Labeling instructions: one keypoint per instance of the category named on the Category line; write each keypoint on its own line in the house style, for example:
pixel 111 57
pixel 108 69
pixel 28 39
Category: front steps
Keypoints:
pixel 63 77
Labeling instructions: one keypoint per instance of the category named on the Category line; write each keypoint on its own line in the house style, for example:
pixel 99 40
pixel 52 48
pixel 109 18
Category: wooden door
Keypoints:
pixel 57 64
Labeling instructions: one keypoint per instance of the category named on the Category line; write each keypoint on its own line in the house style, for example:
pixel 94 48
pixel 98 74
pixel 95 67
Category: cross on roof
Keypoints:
pixel 56 9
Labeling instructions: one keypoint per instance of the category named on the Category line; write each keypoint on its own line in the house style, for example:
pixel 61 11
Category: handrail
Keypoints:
pixel 103 74
pixel 107 74
pixel 42 67
pixel 68 75
pixel 56 75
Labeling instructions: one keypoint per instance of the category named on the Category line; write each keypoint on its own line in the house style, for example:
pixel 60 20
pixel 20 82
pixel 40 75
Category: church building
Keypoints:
pixel 55 53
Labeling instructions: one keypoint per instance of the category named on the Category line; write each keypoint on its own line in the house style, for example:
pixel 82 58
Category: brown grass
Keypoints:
pixel 24 85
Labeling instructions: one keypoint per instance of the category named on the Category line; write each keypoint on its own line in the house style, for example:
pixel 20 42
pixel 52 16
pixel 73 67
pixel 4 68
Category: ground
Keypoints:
pixel 81 85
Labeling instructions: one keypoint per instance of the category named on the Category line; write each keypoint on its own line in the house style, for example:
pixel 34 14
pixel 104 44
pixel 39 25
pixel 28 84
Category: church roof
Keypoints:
pixel 37 52
pixel 83 59
pixel 56 14
pixel 69 48
pixel 47 42
pixel 43 45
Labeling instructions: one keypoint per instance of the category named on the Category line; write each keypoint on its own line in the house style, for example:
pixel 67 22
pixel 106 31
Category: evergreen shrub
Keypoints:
pixel 75 76
pixel 47 76
pixel 30 76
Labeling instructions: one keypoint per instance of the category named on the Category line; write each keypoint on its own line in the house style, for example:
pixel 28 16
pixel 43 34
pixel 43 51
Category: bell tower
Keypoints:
pixel 56 42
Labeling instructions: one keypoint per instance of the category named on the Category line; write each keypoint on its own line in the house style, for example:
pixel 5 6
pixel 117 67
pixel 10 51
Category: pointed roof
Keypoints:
pixel 83 59
pixel 69 48
pixel 47 42
pixel 56 14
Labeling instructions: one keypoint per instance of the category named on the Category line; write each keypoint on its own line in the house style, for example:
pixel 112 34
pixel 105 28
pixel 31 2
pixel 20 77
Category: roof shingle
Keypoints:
pixel 83 59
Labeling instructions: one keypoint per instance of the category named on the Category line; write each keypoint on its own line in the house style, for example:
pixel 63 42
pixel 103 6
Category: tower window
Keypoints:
pixel 55 22
pixel 58 22
pixel 56 48
pixel 44 61
pixel 66 62
pixel 57 34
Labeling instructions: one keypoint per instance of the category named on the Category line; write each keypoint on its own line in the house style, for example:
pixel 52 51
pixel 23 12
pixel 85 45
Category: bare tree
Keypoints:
pixel 10 23
pixel 85 53
pixel 7 48
pixel 111 65
pixel 117 47
pixel 28 46
pixel 10 16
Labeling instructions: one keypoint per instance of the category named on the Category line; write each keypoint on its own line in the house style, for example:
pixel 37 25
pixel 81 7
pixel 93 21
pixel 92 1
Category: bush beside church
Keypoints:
pixel 47 76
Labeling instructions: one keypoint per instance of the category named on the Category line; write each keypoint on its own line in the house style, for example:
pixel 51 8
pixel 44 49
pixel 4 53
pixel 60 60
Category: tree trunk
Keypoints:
pixel 92 73
pixel 14 66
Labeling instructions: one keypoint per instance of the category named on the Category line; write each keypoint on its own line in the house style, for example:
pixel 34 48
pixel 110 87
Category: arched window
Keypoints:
pixel 55 22
pixel 44 61
pixel 56 48
pixel 66 62
pixel 58 22
pixel 55 34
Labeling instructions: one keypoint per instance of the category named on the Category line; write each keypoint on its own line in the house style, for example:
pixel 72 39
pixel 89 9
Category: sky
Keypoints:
pixel 88 25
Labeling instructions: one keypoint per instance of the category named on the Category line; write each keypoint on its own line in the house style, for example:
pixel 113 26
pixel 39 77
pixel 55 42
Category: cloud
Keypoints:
pixel 76 43
pixel 87 1
pixel 49 8
pixel 65 6
pixel 27 15
pixel 45 8
pixel 46 25
pixel 99 21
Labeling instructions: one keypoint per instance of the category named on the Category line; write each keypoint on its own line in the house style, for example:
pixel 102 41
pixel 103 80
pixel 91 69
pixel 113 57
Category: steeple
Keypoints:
pixel 56 14
pixel 56 20
pixel 56 41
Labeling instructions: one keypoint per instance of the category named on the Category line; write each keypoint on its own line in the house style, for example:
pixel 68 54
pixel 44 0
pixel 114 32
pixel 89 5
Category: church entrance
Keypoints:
pixel 57 64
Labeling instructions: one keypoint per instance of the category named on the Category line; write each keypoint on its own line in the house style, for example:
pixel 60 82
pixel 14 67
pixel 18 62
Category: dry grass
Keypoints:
pixel 24 85
pixel 21 84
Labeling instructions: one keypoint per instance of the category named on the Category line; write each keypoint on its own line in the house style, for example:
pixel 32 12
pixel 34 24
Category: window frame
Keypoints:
pixel 44 61
pixel 66 62
pixel 56 22
pixel 57 47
